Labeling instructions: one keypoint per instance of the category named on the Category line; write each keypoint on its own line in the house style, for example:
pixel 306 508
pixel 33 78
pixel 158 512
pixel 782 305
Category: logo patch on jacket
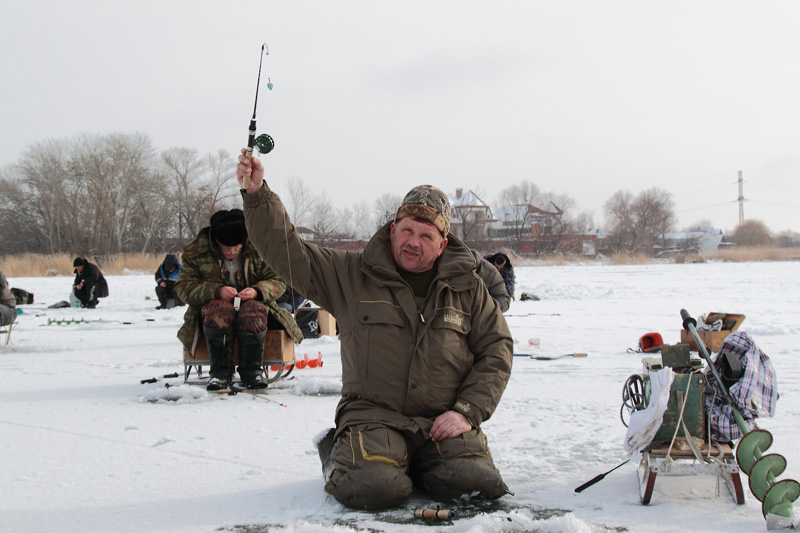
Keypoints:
pixel 452 319
pixel 464 407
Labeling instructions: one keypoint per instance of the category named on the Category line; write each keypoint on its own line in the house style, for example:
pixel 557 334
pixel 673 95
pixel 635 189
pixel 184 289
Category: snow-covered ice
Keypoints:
pixel 85 447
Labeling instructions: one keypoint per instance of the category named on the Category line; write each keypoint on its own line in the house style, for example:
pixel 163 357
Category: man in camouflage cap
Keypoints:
pixel 426 352
pixel 428 203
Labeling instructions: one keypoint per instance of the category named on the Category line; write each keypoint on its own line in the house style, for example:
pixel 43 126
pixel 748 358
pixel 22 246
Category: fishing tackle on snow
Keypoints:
pixel 263 142
pixel 598 478
pixel 776 497
pixel 153 380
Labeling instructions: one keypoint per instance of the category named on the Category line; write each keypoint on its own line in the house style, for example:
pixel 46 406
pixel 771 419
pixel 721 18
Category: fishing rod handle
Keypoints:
pixel 591 482
pixel 251 142
pixel 437 514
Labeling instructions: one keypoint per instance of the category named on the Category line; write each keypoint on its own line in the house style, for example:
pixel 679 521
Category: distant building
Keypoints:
pixel 471 218
pixel 689 241
pixel 526 219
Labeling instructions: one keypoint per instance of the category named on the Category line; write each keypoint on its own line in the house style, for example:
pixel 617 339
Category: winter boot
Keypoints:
pixel 325 449
pixel 220 349
pixel 162 300
pixel 251 352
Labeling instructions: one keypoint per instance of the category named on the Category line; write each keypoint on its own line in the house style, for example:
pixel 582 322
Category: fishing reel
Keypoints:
pixel 264 143
pixel 633 397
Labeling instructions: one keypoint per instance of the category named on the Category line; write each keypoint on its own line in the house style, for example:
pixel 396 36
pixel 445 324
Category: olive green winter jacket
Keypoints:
pixel 401 365
pixel 202 274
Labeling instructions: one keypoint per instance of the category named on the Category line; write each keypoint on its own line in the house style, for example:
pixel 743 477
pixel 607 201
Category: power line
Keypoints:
pixel 707 206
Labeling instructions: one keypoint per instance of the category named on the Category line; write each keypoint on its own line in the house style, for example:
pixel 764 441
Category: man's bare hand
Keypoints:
pixel 250 167
pixel 248 294
pixel 226 293
pixel 449 424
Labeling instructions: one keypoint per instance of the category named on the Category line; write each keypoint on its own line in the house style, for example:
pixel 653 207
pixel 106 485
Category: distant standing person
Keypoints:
pixel 493 281
pixel 8 304
pixel 89 284
pixel 166 277
pixel 503 265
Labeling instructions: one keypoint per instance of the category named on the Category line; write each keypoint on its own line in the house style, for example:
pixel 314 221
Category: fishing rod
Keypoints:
pixel 263 142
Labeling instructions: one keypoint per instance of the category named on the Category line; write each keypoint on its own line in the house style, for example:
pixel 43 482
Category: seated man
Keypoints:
pixel 89 284
pixel 231 292
pixel 166 277
pixel 8 304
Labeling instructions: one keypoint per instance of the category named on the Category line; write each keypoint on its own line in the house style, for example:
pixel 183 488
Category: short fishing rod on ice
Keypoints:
pixel 263 142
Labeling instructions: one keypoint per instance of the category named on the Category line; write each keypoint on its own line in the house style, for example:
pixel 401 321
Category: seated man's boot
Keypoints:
pixel 162 300
pixel 251 352
pixel 220 350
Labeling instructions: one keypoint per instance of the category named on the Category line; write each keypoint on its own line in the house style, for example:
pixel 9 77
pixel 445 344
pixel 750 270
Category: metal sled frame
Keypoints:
pixel 686 464
pixel 7 330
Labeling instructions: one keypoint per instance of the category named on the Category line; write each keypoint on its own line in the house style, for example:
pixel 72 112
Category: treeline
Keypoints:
pixel 101 195
pixel 109 194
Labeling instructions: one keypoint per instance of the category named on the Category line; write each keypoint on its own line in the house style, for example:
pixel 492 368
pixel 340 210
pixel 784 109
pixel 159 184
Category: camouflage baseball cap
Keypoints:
pixel 427 203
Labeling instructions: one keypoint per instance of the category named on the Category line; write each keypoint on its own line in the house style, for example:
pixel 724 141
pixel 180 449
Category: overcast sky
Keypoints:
pixel 580 97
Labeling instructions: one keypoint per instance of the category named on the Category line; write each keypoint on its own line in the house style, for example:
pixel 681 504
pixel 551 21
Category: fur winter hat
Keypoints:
pixel 228 227
pixel 427 203
pixel 79 262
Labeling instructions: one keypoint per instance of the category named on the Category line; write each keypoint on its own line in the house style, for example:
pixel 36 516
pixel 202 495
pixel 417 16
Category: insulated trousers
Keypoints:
pixel 376 467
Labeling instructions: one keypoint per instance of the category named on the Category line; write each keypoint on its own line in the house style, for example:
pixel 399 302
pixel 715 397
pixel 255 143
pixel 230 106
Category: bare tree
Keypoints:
pixel 516 216
pixel 300 201
pixel 327 223
pixel 363 226
pixel 752 233
pixel 561 221
pixel 100 194
pixel 115 168
pixel 192 205
pixel 636 222
pixel 385 208
pixel 701 224
pixel 33 206
pixel 787 239
pixel 222 178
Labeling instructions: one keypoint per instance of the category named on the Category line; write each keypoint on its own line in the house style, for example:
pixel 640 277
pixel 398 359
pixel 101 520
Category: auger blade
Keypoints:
pixel 780 497
pixel 762 475
pixel 750 448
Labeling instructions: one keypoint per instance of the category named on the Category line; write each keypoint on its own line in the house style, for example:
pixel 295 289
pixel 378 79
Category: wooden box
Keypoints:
pixel 713 339
pixel 277 347
pixel 327 324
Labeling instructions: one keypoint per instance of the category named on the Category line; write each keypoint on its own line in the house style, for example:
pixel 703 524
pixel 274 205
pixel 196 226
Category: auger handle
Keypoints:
pixel 687 319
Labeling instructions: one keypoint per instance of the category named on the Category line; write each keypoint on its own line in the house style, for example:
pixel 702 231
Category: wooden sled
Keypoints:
pixel 278 354
pixel 686 464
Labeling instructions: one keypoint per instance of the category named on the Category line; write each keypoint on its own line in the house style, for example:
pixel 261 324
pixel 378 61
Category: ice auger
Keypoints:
pixel 776 497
